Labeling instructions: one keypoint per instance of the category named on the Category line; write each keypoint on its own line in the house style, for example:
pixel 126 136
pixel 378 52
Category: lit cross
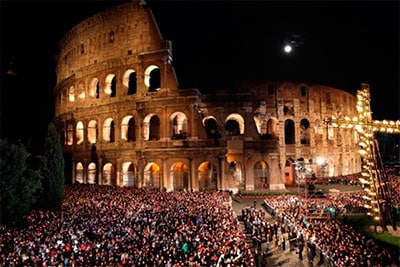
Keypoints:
pixel 373 175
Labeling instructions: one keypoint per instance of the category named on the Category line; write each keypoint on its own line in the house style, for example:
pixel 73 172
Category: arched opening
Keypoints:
pixel 207 176
pixel 94 88
pixel 179 125
pixel 235 170
pixel 79 133
pixel 304 132
pixel 129 80
pixel 154 128
pixel 234 125
pixel 92 132
pixel 180 176
pixel 128 129
pixel 92 173
pixel 79 173
pixel 152 175
pixel 108 130
pixel 70 134
pixel 108 174
pixel 211 127
pixel 152 78
pixel 289 132
pixel 110 88
pixel 261 177
pixel 128 174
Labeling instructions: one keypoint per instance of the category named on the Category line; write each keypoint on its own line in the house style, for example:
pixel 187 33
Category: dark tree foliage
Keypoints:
pixel 53 171
pixel 19 183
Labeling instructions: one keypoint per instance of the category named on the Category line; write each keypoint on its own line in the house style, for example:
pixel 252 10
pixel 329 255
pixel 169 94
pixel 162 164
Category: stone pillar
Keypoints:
pixel 193 182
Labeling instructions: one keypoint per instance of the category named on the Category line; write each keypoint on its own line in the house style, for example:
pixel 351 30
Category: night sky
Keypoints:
pixel 338 44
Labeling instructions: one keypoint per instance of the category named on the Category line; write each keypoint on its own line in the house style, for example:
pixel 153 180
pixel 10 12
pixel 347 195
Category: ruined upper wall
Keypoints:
pixel 126 30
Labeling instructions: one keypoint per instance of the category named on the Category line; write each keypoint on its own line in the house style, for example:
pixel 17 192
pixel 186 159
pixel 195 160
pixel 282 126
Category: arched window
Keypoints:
pixel 79 173
pixel 92 132
pixel 207 176
pixel 128 129
pixel 92 173
pixel 79 133
pixel 234 124
pixel 152 78
pixel 70 134
pixel 94 88
pixel 261 180
pixel 129 80
pixel 289 132
pixel 152 175
pixel 108 130
pixel 180 176
pixel 108 174
pixel 211 127
pixel 179 125
pixel 304 132
pixel 110 88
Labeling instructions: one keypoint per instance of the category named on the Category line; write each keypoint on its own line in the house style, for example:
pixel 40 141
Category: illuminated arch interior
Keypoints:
pixel 238 118
pixel 93 88
pixel 79 133
pixel 92 132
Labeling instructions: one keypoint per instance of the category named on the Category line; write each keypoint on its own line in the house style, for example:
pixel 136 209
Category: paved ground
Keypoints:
pixel 286 258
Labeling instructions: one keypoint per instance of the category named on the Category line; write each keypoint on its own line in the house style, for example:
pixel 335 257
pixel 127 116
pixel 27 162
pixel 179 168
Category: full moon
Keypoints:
pixel 287 49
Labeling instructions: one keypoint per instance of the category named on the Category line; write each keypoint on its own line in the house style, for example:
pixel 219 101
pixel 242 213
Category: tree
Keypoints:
pixel 19 183
pixel 53 171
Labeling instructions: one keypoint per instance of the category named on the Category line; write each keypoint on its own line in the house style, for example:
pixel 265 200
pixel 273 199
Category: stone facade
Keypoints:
pixel 124 120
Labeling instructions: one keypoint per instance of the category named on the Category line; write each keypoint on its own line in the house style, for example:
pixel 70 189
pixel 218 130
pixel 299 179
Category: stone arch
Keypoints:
pixel 152 78
pixel 79 173
pixel 128 131
pixel 110 88
pixel 94 88
pixel 207 174
pixel 261 175
pixel 109 130
pixel 151 127
pixel 179 174
pixel 129 80
pixel 151 177
pixel 70 134
pixel 237 175
pixel 211 126
pixel 289 132
pixel 234 124
pixel 79 134
pixel 129 172
pixel 179 125
pixel 92 173
pixel 71 94
pixel 92 132
pixel 108 174
pixel 304 132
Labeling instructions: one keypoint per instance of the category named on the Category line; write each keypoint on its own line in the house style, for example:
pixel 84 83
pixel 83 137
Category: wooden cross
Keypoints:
pixel 373 175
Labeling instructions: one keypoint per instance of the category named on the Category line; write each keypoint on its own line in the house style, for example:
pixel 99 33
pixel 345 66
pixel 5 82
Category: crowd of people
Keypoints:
pixel 114 226
pixel 339 244
pixel 123 226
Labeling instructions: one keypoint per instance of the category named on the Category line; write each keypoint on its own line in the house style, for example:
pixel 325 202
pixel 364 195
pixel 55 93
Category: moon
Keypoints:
pixel 287 49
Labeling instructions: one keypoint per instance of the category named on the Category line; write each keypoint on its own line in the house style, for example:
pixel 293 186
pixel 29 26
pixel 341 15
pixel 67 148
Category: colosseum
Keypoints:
pixel 124 120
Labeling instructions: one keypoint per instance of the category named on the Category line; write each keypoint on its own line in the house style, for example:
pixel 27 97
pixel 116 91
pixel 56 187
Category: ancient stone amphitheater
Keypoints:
pixel 123 119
